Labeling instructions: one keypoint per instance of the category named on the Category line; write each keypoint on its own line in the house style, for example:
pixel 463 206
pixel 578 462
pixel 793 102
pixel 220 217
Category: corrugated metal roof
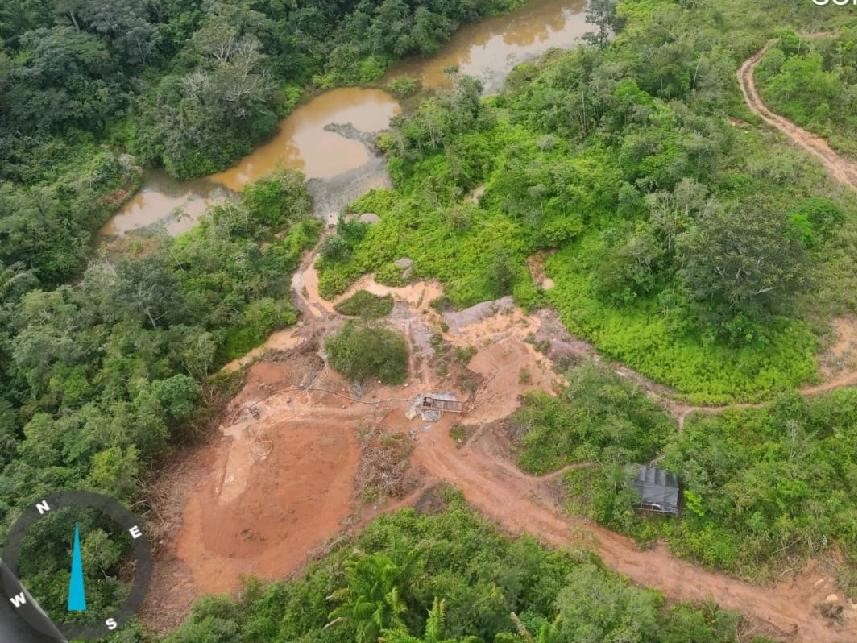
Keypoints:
pixel 658 488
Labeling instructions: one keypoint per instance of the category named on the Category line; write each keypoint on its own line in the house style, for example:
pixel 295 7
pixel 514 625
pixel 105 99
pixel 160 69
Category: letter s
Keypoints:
pixel 111 624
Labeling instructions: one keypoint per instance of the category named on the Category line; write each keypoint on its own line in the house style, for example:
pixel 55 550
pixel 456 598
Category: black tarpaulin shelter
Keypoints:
pixel 658 489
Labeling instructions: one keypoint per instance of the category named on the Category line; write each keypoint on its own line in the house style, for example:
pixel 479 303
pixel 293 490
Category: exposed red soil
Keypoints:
pixel 277 482
pixel 266 528
pixel 269 491
pixel 524 504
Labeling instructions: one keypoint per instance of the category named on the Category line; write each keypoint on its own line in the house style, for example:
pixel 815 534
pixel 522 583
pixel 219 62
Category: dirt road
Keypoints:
pixel 261 467
pixel 840 168
pixel 523 504
pixel 255 500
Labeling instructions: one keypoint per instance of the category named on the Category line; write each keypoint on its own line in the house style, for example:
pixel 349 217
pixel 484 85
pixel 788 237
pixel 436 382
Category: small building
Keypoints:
pixel 431 406
pixel 442 402
pixel 658 489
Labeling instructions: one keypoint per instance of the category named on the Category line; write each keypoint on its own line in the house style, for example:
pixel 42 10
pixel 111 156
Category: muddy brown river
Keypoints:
pixel 341 168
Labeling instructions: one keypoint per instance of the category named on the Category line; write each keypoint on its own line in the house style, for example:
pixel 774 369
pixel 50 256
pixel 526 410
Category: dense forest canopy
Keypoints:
pixel 188 85
pixel 101 376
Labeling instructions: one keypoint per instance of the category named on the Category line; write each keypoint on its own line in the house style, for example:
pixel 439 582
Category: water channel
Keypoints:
pixel 341 168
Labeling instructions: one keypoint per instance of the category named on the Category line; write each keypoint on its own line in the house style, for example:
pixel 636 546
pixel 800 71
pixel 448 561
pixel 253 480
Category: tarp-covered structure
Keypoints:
pixel 658 489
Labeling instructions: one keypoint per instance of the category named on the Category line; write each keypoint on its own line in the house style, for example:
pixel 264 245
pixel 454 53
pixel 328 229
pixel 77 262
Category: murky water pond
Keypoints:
pixel 490 49
pixel 303 144
pixel 342 168
pixel 176 204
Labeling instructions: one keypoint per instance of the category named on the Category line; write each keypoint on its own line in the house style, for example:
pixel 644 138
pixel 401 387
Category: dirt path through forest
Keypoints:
pixel 254 499
pixel 257 502
pixel 840 168
pixel 523 503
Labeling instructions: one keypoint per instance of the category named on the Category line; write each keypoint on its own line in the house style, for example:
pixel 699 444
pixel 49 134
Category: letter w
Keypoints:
pixel 19 599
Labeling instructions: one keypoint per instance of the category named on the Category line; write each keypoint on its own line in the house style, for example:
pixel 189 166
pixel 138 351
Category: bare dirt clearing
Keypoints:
pixel 278 481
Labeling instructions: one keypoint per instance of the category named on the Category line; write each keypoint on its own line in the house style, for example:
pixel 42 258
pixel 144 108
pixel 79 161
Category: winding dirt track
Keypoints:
pixel 522 503
pixel 840 168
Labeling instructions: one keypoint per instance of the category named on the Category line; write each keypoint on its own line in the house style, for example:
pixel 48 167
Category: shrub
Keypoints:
pixel 404 86
pixel 364 304
pixel 598 417
pixel 277 199
pixel 363 351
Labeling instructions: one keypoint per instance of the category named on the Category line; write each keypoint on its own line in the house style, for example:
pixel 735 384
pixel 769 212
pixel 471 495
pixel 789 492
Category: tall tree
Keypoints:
pixel 744 260
pixel 602 14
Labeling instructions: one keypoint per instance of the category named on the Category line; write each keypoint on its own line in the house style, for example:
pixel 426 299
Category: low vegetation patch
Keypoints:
pixel 367 305
pixel 404 86
pixel 452 577
pixel 363 351
pixel 383 469
pixel 451 362
pixel 599 417
pixel 700 254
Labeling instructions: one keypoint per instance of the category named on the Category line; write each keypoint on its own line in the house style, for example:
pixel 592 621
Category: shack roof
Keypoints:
pixel 447 397
pixel 658 488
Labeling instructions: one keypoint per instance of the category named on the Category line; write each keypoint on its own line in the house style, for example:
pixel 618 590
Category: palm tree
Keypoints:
pixel 433 629
pixel 372 599
pixel 548 633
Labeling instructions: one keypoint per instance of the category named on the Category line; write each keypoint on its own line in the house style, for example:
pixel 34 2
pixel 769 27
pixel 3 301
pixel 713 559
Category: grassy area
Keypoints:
pixel 763 489
pixel 364 304
pixel 620 165
pixel 668 348
pixel 598 418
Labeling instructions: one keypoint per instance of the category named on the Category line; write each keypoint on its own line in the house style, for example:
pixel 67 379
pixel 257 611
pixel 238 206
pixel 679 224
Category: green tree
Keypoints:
pixel 371 602
pixel 500 273
pixel 433 632
pixel 595 607
pixel 743 260
pixel 602 14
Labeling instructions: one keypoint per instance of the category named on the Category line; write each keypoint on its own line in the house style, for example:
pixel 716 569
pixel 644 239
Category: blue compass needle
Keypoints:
pixel 76 589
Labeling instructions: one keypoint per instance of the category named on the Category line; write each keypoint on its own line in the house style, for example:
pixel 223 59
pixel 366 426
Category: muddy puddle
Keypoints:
pixel 341 164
